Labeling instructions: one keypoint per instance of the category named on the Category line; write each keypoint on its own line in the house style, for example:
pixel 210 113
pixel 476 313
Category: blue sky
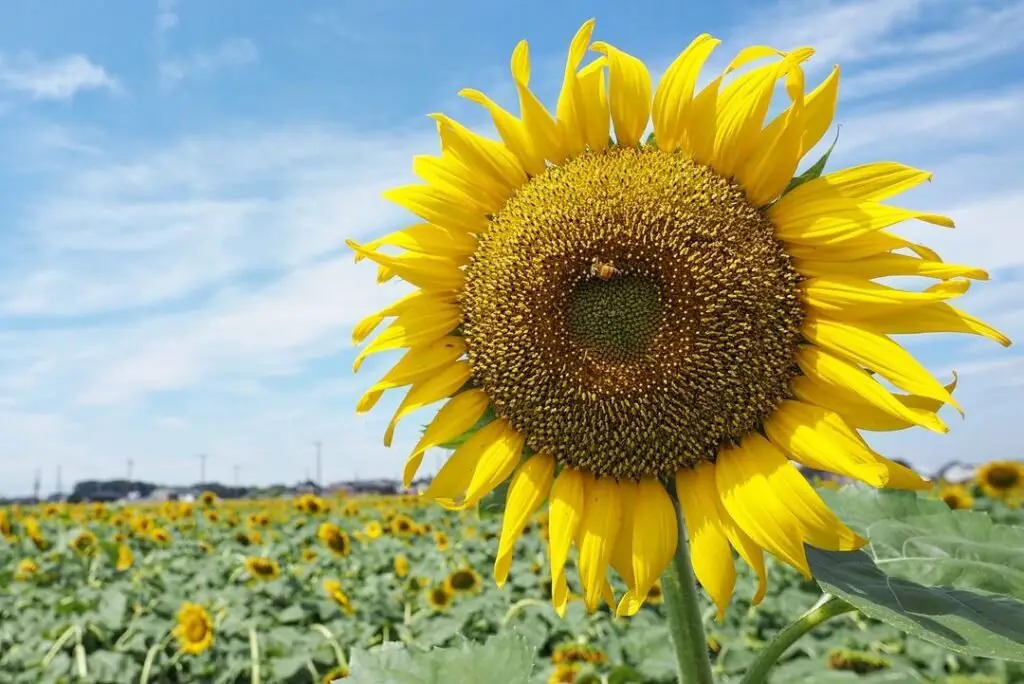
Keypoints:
pixel 179 178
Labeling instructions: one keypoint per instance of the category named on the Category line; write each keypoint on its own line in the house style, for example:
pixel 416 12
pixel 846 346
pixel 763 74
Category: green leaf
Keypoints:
pixel 922 540
pixel 459 441
pixel 503 659
pixel 815 171
pixel 292 615
pixel 651 140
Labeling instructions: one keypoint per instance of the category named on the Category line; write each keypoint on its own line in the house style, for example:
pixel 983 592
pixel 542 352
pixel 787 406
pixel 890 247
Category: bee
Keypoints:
pixel 603 270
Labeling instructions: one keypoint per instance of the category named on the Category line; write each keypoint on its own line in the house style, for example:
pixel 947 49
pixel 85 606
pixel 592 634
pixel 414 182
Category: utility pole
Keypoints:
pixel 202 468
pixel 236 468
pixel 36 484
pixel 319 481
pixel 60 487
pixel 130 464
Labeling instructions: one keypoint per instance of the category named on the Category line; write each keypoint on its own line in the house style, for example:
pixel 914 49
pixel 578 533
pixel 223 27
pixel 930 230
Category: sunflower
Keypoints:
pixel 308 554
pixel 262 567
pixel 1001 479
pixel 205 547
pixel 439 598
pixel 441 541
pixel 334 538
pixel 401 564
pixel 463 581
pixel 194 630
pixel 84 543
pixel 333 590
pixel 402 525
pixel 207 498
pixel 211 516
pixel 26 569
pixel 564 673
pixel 373 530
pixel 339 672
pixel 956 497
pixel 676 311
pixel 124 558
pixel 160 535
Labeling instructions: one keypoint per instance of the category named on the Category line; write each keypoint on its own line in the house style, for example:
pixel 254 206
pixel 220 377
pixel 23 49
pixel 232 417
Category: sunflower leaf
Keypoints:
pixel 488 416
pixel 814 171
pixel 953 578
pixel 502 659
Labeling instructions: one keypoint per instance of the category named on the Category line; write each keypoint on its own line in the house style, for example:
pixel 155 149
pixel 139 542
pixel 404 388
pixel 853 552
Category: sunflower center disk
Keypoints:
pixel 631 312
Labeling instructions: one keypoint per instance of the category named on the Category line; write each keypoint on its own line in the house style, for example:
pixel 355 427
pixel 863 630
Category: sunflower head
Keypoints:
pixel 465 580
pixel 160 535
pixel 263 568
pixel 211 516
pixel 334 591
pixel 26 569
pixel 335 538
pixel 125 558
pixel 441 541
pixel 373 529
pixel 402 525
pixel 439 597
pixel 309 554
pixel 207 498
pixel 627 313
pixel 956 497
pixel 1001 479
pixel 84 542
pixel 401 564
pixel 194 628
pixel 564 673
pixel 340 672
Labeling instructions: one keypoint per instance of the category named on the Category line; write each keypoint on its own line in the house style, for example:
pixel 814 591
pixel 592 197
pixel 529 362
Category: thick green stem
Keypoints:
pixel 825 609
pixel 684 614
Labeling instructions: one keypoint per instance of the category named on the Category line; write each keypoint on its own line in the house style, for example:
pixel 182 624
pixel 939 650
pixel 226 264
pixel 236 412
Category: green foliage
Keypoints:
pixel 815 170
pixel 502 659
pixel 949 577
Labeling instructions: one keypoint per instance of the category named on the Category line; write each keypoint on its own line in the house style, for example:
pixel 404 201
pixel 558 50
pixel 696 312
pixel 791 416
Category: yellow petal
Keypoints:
pixel 414 366
pixel 835 384
pixel 673 99
pixel 818 438
pixel 873 182
pixel 710 552
pixel 629 92
pixel 878 353
pixel 622 552
pixel 869 244
pixel 413 327
pixel 427 272
pixel 934 317
pixel 538 123
pixel 453 420
pixel 819 110
pixel 444 208
pixel 887 264
pixel 742 107
pixel 597 532
pixel 773 503
pixel 836 219
pixel 572 109
pixel 433 388
pixel 492 160
pixel 848 298
pixel 527 491
pixel 495 466
pixel 454 178
pixel 564 515
pixel 775 154
pixel 427 238
pixel 595 103
pixel 367 325
pixel 512 132
pixel 454 476
pixel 655 534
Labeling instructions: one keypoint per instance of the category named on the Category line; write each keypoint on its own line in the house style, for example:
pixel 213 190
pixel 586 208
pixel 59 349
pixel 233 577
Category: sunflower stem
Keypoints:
pixel 684 615
pixel 826 608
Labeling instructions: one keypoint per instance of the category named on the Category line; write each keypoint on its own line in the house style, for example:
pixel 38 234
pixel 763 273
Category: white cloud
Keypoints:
pixel 203 64
pixel 57 79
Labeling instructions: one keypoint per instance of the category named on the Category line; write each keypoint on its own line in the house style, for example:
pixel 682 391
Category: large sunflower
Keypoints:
pixel 615 316
pixel 1001 479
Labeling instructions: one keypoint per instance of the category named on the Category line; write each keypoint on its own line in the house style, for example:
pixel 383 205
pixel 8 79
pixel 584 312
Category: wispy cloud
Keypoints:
pixel 204 64
pixel 57 79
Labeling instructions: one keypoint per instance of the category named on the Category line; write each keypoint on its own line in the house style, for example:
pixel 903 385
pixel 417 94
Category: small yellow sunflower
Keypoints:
pixel 334 538
pixel 194 630
pixel 205 547
pixel 334 591
pixel 84 543
pixel 956 497
pixel 26 569
pixel 339 672
pixel 465 580
pixel 261 567
pixel 207 498
pixel 401 564
pixel 564 673
pixel 1001 479
pixel 441 541
pixel 402 525
pixel 373 530
pixel 160 535
pixel 439 598
pixel 629 312
pixel 308 554
pixel 211 516
pixel 125 558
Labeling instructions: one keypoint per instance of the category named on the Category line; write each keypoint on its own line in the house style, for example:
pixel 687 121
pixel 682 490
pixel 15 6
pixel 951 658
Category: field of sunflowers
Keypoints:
pixel 298 591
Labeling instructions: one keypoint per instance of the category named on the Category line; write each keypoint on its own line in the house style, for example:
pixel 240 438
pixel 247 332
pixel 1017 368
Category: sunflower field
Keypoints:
pixel 391 589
